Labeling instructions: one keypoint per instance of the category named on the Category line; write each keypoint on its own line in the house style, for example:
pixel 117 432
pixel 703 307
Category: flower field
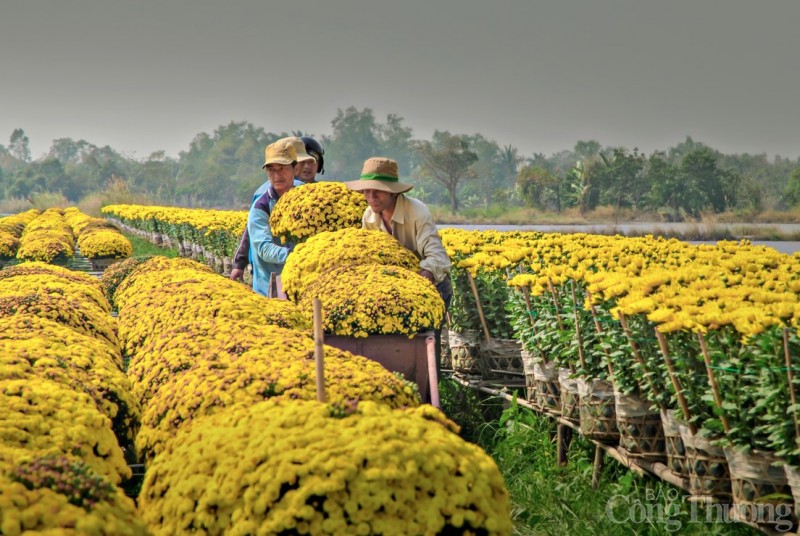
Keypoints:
pixel 213 388
pixel 683 358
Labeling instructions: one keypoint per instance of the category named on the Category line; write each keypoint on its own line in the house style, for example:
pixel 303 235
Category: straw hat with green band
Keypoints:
pixel 379 173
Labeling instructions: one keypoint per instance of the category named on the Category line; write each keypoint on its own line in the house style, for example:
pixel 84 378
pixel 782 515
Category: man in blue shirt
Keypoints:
pixel 309 163
pixel 267 255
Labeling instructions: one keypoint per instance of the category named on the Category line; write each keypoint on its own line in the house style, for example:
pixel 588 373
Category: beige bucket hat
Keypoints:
pixel 300 149
pixel 280 152
pixel 379 173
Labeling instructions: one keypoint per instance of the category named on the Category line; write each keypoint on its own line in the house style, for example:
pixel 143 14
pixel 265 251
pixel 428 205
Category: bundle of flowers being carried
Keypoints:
pixel 373 299
pixel 346 247
pixel 313 208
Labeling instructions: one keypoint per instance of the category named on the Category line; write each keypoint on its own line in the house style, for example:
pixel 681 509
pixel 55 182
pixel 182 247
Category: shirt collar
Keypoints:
pixel 398 215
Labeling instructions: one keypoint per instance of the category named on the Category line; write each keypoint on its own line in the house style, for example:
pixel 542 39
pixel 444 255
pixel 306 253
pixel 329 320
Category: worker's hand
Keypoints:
pixel 237 274
pixel 427 274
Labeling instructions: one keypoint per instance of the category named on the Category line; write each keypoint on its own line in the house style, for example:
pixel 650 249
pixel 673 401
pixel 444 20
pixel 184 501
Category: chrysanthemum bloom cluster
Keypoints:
pixel 199 342
pixel 117 273
pixel 39 496
pixel 45 417
pixel 329 250
pixel 61 273
pixel 374 299
pixel 151 302
pixel 311 468
pixel 96 237
pixel 160 264
pixel 314 208
pixel 190 374
pixel 33 347
pixel 63 396
pixel 70 298
pixel 47 238
pixel 11 228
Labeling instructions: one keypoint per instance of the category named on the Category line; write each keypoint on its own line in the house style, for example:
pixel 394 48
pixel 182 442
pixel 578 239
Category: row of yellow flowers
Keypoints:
pixel 47 238
pixel 216 231
pixel 232 447
pixel 96 237
pixel 726 313
pixel 11 228
pixel 63 396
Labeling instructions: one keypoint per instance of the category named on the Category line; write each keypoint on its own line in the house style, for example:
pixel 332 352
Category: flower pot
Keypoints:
pixel 464 348
pixel 673 444
pixel 447 356
pixel 598 413
pixel 641 434
pixel 759 487
pixel 570 400
pixel 500 359
pixel 709 474
pixel 547 394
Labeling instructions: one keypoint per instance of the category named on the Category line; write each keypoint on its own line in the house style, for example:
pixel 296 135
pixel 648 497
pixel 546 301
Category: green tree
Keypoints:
pixel 395 142
pixel 587 149
pixel 355 138
pixel 791 195
pixel 447 159
pixel 19 145
pixel 667 189
pixel 620 179
pixel 539 188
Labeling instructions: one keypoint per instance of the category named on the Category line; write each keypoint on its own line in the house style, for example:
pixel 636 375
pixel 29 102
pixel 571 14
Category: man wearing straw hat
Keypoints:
pixel 305 163
pixel 405 218
pixel 266 254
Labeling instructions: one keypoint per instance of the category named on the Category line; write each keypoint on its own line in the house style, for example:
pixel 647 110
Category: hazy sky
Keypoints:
pixel 147 75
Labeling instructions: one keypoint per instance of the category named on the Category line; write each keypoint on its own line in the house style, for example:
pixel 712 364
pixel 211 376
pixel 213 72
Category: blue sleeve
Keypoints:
pixel 261 238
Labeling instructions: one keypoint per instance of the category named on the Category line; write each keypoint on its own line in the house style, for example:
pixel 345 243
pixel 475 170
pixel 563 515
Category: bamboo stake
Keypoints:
pixel 599 331
pixel 662 342
pixel 712 380
pixel 319 351
pixel 639 358
pixel 555 304
pixel 480 308
pixel 577 329
pixel 789 373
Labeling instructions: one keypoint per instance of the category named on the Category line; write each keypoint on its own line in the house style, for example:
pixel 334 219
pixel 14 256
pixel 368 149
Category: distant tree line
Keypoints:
pixel 223 168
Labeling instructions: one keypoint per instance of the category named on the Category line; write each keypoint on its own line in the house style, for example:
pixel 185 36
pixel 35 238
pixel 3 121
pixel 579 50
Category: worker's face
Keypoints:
pixel 379 200
pixel 281 176
pixel 307 170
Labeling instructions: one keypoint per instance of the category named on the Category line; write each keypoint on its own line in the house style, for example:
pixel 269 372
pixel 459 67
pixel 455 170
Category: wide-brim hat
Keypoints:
pixel 280 152
pixel 379 173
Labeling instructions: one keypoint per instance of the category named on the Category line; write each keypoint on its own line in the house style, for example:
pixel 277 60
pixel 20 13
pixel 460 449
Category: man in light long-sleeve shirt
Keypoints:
pixel 405 218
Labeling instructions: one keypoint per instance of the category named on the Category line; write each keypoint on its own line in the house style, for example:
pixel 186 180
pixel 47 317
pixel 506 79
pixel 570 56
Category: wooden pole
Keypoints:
pixel 564 439
pixel 433 377
pixel 600 332
pixel 577 329
pixel 319 351
pixel 480 309
pixel 712 380
pixel 790 375
pixel 662 342
pixel 599 459
pixel 639 358
pixel 555 304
